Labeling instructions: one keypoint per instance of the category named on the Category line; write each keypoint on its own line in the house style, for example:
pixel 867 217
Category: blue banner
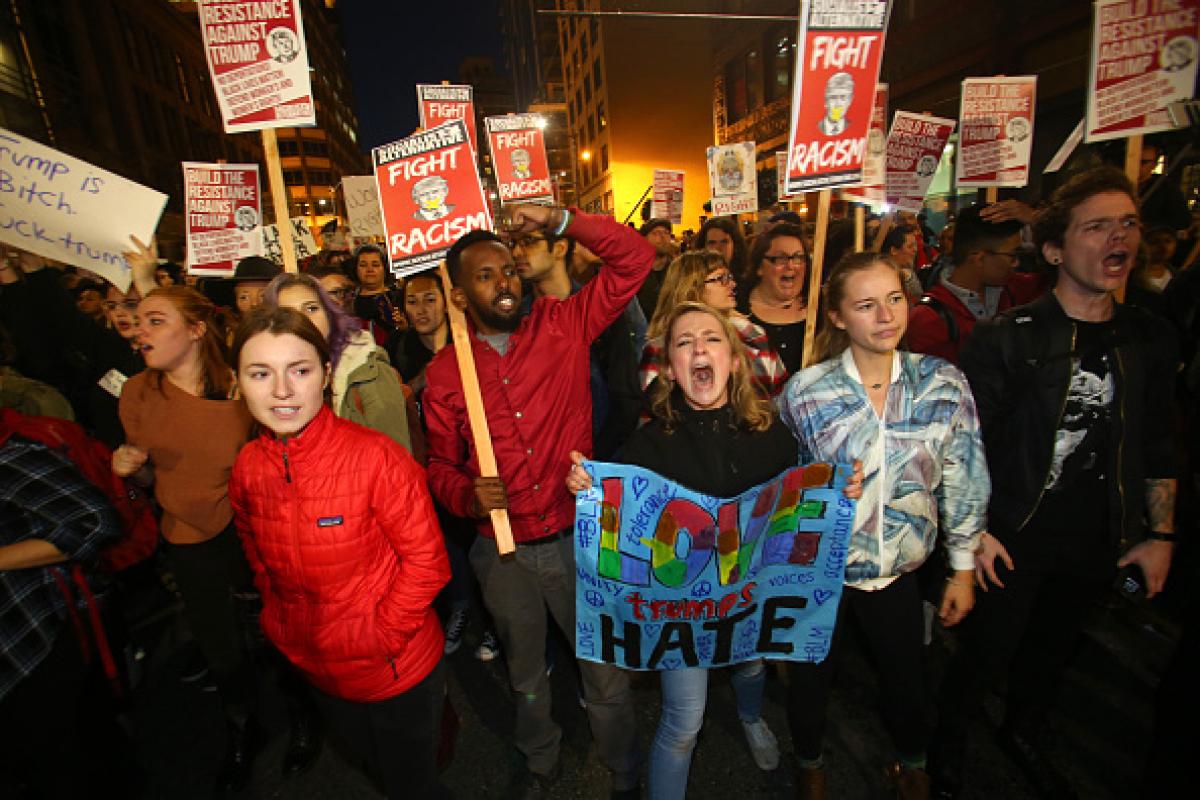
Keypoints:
pixel 670 578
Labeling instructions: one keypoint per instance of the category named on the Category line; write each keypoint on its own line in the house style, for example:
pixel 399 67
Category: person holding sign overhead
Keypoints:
pixel 715 432
pixel 911 419
pixel 534 379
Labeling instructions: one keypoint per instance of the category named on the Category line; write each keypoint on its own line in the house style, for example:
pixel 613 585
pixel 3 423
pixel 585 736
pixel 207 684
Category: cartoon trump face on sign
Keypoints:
pixel 282 45
pixel 839 94
pixel 246 218
pixel 729 172
pixel 926 166
pixel 521 160
pixel 430 196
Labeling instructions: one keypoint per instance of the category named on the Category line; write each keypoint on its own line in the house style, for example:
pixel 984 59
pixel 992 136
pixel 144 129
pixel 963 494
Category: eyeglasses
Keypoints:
pixel 113 305
pixel 724 279
pixel 525 242
pixel 799 259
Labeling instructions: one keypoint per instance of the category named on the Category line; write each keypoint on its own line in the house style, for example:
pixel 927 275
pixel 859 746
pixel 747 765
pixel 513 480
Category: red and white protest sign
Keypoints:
pixel 781 191
pixel 874 160
pixel 914 149
pixel 518 145
pixel 995 136
pixel 1144 55
pixel 667 196
pixel 430 195
pixel 438 103
pixel 258 63
pixel 837 66
pixel 733 179
pixel 223 216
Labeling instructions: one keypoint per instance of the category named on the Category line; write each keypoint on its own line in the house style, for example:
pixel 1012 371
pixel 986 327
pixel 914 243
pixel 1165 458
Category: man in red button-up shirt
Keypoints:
pixel 534 379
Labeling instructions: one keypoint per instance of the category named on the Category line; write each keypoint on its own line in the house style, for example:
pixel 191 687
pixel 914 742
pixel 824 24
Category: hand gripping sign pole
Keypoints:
pixel 279 199
pixel 815 271
pixel 475 412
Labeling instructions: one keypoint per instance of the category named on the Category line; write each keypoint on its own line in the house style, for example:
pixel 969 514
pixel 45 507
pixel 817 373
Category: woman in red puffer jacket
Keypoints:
pixel 338 526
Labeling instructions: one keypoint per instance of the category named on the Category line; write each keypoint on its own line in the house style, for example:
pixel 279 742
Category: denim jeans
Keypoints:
pixel 685 693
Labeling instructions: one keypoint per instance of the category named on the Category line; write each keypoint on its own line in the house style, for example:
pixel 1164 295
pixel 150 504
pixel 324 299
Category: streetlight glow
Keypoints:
pixel 586 155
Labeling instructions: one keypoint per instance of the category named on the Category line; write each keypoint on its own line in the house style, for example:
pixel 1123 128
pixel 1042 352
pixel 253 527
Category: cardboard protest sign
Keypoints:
pixel 362 207
pixel 995 136
pixel 430 195
pixel 840 47
pixel 258 62
pixel 760 576
pixel 441 103
pixel 223 216
pixel 303 241
pixel 733 179
pixel 871 190
pixel 1144 55
pixel 59 207
pixel 518 146
pixel 914 148
pixel 667 196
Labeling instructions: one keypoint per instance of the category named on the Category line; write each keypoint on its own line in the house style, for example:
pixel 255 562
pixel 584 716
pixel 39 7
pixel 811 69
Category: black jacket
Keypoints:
pixel 1019 367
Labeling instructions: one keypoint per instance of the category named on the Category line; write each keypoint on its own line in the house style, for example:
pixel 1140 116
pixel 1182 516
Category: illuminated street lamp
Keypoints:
pixel 586 155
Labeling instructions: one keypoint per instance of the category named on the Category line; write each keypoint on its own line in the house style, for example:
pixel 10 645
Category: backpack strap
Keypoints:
pixel 942 311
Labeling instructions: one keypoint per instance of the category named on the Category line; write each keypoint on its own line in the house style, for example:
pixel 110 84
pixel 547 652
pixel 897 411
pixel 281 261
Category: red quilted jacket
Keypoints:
pixel 347 553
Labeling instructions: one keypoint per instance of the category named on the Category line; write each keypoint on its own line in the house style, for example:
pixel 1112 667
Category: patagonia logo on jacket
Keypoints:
pixel 329 522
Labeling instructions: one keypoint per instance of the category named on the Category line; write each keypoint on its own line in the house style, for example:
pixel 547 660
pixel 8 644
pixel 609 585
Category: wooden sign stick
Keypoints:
pixel 885 227
pixel 475 412
pixel 860 228
pixel 991 194
pixel 815 270
pixel 283 219
pixel 1133 167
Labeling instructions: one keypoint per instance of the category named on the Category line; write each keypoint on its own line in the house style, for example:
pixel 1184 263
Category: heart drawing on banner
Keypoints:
pixel 639 486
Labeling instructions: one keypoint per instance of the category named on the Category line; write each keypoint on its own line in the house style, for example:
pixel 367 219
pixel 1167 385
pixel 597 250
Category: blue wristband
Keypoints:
pixel 562 225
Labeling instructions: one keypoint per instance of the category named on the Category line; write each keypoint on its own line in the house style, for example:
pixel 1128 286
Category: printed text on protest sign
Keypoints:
pixel 518 146
pixel 914 149
pixel 667 196
pixel 223 216
pixel 59 207
pixel 669 578
pixel 439 104
pixel 875 159
pixel 995 135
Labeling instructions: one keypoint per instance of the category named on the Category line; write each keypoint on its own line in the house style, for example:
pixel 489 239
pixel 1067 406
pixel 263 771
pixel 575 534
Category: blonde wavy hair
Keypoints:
pixel 752 410
pixel 683 283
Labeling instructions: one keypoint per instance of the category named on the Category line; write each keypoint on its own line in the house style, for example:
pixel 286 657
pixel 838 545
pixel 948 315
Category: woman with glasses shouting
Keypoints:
pixel 703 276
pixel 775 300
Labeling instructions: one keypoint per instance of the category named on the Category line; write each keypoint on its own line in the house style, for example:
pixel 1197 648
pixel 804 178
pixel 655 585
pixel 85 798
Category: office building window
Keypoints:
pixel 754 79
pixel 293 177
pixel 604 158
pixel 781 54
pixel 315 148
pixel 289 147
pixel 735 89
pixel 597 77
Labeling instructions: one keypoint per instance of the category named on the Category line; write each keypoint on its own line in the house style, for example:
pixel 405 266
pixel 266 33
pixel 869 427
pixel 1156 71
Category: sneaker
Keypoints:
pixel 489 647
pixel 763 744
pixel 454 630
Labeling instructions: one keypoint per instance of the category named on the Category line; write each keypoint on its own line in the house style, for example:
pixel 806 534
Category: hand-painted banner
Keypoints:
pixel 59 207
pixel 995 135
pixel 441 103
pixel 258 62
pixel 362 207
pixel 874 174
pixel 303 242
pixel 430 195
pixel 733 179
pixel 223 210
pixel 914 149
pixel 669 578
pixel 837 66
pixel 518 146
pixel 667 194
pixel 1144 55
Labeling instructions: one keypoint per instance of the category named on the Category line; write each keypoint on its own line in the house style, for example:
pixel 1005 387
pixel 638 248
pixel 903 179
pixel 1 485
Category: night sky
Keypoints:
pixel 393 45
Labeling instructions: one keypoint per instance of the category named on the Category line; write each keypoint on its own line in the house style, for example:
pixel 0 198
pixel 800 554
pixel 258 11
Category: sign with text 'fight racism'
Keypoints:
pixel 914 149
pixel 840 47
pixel 441 103
pixel 223 216
pixel 995 135
pixel 667 196
pixel 258 62
pixel 1144 55
pixel 669 578
pixel 59 207
pixel 518 146
pixel 429 194
pixel 874 173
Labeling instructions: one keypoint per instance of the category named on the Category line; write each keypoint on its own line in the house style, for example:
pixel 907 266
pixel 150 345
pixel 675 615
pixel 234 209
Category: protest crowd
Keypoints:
pixel 271 485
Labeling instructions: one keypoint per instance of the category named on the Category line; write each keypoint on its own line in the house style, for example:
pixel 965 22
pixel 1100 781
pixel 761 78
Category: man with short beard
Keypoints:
pixel 657 233
pixel 534 380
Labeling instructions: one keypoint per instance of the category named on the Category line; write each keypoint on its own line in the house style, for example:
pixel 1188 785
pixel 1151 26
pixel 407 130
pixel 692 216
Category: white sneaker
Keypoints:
pixel 763 744
pixel 488 648
pixel 454 630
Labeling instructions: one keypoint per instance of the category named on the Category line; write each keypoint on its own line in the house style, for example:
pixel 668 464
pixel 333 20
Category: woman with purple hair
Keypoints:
pixel 364 386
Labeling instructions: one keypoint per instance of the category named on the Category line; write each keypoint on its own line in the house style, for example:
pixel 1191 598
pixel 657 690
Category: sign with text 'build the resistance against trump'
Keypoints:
pixel 669 578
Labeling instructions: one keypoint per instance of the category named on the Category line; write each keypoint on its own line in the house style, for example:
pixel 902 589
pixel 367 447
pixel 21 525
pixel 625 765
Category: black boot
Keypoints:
pixel 245 740
pixel 304 743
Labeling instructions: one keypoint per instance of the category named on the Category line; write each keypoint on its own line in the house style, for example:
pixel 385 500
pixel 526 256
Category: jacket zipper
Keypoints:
pixel 1120 448
pixel 287 469
pixel 1057 422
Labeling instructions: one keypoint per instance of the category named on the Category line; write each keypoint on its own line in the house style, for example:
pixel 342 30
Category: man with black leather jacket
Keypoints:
pixel 1074 393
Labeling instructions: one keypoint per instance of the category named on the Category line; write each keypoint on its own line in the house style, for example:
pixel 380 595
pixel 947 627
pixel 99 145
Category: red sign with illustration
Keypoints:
pixel 837 66
pixel 429 195
pixel 518 145
pixel 438 103
pixel 223 216
pixel 875 159
pixel 914 150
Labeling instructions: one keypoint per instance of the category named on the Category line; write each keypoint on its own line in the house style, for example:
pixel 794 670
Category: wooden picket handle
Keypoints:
pixel 815 270
pixel 283 220
pixel 475 411
pixel 991 194
pixel 885 227
pixel 860 228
